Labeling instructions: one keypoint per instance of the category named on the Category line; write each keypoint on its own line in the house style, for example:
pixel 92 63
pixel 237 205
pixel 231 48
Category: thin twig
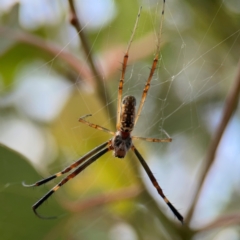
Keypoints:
pixel 229 220
pixel 106 198
pixel 101 90
pixel 230 106
pixel 109 58
pixel 76 64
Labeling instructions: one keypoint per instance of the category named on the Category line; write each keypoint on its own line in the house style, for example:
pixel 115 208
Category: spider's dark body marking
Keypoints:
pixel 121 144
pixel 127 117
pixel 122 140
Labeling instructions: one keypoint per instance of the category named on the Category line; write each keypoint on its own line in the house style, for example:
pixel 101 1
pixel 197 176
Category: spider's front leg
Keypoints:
pixel 98 127
pixel 124 66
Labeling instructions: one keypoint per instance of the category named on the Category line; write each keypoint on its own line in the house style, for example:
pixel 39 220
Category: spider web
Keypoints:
pixel 196 69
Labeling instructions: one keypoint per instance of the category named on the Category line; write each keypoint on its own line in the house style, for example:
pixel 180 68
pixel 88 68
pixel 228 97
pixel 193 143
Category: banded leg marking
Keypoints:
pixel 153 139
pixel 82 120
pixel 146 88
pixel 156 185
pixel 124 66
pixel 66 179
pixel 69 168
pixel 154 65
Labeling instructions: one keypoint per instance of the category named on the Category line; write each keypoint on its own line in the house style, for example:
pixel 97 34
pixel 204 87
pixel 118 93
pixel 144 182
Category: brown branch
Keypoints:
pixel 106 198
pixel 109 58
pixel 229 220
pixel 76 64
pixel 101 90
pixel 230 106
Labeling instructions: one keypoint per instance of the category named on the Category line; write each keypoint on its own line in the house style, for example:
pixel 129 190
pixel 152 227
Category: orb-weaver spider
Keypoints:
pixel 121 142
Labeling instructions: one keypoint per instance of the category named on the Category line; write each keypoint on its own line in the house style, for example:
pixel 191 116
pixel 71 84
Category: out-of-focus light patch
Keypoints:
pixel 6 5
pixel 212 116
pixel 181 169
pixel 233 5
pixel 38 13
pixel 40 94
pixel 27 139
pixel 95 13
pixel 180 16
pixel 68 37
pixel 229 233
pixel 218 188
pixel 150 3
pixel 122 231
pixel 229 144
pixel 188 86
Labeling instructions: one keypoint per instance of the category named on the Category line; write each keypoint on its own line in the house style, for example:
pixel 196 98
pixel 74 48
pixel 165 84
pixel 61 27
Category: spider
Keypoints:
pixel 121 142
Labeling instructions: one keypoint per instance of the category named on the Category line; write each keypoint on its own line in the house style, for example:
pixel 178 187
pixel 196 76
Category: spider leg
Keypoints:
pixel 82 120
pixel 124 66
pixel 154 65
pixel 153 139
pixel 69 168
pixel 66 179
pixel 156 185
pixel 168 139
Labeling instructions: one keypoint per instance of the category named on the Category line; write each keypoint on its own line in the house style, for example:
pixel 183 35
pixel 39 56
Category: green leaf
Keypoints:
pixel 17 220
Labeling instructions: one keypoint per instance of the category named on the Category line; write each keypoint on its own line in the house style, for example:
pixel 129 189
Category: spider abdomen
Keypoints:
pixel 127 116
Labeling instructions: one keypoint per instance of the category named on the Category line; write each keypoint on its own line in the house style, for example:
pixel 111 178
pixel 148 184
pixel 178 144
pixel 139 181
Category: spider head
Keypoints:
pixel 121 144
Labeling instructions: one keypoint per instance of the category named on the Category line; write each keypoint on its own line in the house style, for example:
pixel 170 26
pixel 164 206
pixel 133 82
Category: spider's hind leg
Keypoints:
pixel 156 185
pixel 70 167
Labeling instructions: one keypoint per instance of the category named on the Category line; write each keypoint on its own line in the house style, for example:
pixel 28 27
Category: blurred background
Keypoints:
pixel 47 81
